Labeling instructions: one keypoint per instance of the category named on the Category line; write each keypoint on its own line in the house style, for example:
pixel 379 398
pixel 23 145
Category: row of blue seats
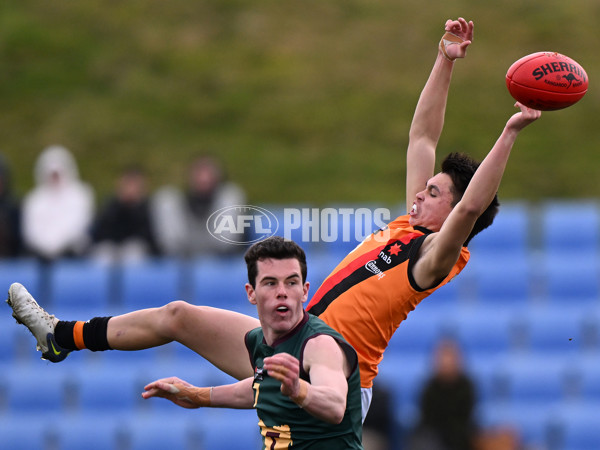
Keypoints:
pixel 115 381
pixel 196 429
pixel 219 282
pixel 562 426
pixel 495 329
pixel 574 427
pixel 109 382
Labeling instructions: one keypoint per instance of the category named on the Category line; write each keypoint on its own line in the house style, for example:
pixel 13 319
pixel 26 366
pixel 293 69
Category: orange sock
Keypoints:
pixel 78 335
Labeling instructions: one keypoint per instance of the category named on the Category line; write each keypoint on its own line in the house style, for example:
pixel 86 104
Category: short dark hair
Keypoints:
pixel 274 247
pixel 461 168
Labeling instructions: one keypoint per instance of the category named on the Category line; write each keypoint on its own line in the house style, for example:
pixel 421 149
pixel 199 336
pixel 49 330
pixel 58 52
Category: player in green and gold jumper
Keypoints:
pixel 306 383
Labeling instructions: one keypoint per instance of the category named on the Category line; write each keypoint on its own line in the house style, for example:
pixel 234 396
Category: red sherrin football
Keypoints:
pixel 546 81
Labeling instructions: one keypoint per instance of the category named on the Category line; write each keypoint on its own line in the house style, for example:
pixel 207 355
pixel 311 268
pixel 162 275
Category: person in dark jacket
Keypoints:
pixel 123 229
pixel 11 243
pixel 447 404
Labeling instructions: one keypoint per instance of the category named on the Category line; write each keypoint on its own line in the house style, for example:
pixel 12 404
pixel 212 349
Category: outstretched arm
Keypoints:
pixel 428 120
pixel 325 396
pixel 238 395
pixel 441 250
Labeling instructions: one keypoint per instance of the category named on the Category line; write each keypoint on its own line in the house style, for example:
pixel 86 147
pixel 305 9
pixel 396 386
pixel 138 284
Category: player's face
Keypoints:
pixel 433 204
pixel 278 296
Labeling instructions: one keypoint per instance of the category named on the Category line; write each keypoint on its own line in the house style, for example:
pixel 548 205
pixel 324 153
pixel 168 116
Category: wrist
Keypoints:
pixel 202 397
pixel 449 39
pixel 301 398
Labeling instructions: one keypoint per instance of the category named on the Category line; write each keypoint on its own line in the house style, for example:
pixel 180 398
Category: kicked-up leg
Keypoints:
pixel 215 334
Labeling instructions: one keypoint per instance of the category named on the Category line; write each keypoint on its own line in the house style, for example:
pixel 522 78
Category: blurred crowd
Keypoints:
pixel 60 216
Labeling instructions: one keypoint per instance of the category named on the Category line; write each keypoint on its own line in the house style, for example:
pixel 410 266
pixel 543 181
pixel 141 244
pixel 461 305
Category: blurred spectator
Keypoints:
pixel 122 230
pixel 181 217
pixel 10 215
pixel 446 404
pixel 58 212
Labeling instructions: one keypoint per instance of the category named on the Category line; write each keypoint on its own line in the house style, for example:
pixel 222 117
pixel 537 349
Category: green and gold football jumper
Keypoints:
pixel 283 423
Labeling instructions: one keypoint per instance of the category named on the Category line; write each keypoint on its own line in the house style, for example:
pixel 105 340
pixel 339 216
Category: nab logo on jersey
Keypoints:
pixel 386 258
pixel 242 224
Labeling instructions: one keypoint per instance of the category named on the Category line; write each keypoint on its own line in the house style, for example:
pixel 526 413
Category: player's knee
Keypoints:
pixel 174 313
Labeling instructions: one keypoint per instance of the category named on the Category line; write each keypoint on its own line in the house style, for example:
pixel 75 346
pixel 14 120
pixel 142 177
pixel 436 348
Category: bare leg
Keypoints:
pixel 215 334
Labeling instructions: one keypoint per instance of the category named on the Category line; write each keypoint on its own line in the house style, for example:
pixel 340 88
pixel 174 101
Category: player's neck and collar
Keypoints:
pixel 295 330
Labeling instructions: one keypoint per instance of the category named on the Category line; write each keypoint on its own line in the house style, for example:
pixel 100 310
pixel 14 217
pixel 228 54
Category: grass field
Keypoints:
pixel 305 101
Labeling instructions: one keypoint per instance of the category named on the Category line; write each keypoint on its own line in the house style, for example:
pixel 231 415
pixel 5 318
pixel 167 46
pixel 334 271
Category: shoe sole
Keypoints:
pixel 48 356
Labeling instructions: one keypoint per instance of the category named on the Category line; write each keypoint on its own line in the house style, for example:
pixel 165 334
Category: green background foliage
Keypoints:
pixel 304 100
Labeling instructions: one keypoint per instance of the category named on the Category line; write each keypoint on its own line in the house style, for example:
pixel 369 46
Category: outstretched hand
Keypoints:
pixel 523 118
pixel 462 29
pixel 178 391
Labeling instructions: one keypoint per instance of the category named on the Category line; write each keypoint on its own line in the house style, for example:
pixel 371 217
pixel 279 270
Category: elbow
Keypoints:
pixel 337 415
pixel 338 419
pixel 470 212
pixel 335 420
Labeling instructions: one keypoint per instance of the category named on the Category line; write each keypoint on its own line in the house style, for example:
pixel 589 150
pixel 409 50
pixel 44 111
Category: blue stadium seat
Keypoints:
pixel 26 271
pixel 508 235
pixel 582 238
pixel 25 431
pixel 447 295
pixel 571 276
pixel 108 388
pixel 229 429
pixel 501 279
pixel 32 390
pixel 420 331
pixel 10 332
pixel 586 369
pixel 149 283
pixel 80 285
pixel 579 426
pixel 489 383
pixel 552 330
pixel 534 379
pixel 531 422
pixel 90 430
pixel 219 282
pixel 160 432
pixel 486 331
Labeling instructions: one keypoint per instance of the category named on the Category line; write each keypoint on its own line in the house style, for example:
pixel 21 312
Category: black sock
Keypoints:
pixel 63 334
pixel 94 334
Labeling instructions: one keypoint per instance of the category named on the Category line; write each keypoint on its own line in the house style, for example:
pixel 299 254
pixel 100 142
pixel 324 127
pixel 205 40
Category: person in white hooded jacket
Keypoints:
pixel 58 211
